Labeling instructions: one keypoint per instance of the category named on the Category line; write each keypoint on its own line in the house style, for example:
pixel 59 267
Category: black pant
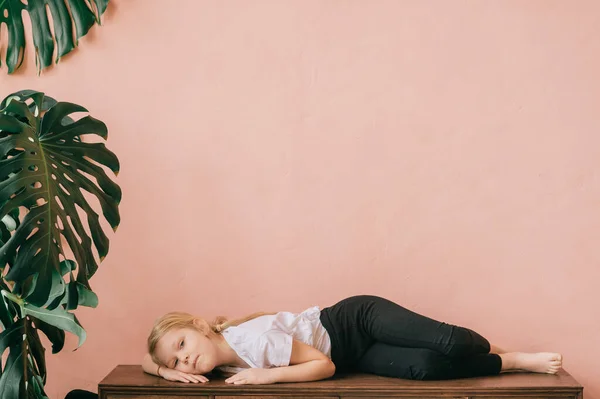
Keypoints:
pixel 374 335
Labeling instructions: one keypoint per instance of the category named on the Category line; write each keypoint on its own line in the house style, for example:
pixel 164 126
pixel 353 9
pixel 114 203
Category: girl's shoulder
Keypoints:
pixel 241 333
pixel 284 321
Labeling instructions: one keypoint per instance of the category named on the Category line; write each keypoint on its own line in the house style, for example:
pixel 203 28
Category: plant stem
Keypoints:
pixel 13 298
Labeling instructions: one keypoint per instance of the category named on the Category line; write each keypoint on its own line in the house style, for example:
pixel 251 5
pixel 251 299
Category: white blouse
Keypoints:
pixel 266 341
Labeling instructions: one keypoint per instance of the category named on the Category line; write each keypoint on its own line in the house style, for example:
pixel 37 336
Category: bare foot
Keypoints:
pixel 542 362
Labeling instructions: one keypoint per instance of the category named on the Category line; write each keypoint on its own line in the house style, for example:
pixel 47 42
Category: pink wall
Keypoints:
pixel 280 154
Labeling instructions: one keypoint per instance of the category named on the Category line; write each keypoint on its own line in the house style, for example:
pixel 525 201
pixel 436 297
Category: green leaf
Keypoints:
pixel 12 378
pixel 46 173
pixel 8 310
pixel 54 334
pixel 11 336
pixel 84 13
pixel 6 316
pixel 75 295
pixel 39 100
pixel 36 389
pixel 10 13
pixel 86 297
pixel 25 371
pixel 53 286
pixel 58 318
pixel 72 297
pixel 37 352
pixel 67 266
pixel 100 8
pixel 84 18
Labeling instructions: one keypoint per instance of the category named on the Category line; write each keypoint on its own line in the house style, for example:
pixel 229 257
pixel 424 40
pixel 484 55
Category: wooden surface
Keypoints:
pixel 130 382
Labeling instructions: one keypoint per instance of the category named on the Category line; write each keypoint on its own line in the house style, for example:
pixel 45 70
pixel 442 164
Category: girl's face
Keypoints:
pixel 187 350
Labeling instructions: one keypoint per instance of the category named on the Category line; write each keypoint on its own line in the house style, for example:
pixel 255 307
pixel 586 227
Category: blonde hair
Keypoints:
pixel 185 320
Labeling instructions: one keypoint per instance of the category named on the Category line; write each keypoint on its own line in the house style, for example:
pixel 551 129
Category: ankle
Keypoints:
pixel 509 361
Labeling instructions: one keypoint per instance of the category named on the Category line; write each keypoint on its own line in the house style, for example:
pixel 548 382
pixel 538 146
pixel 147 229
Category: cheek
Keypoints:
pixel 162 355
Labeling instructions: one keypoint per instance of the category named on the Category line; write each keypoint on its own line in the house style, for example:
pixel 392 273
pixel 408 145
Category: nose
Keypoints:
pixel 184 358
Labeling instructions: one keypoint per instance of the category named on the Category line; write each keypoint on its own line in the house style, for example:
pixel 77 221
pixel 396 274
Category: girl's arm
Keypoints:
pixel 150 367
pixel 306 364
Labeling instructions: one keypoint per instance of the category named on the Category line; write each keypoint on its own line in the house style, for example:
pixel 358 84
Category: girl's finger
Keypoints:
pixel 185 377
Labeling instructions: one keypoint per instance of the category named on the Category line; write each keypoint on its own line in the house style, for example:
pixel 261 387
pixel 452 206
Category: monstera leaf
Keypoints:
pixel 44 166
pixel 65 13
pixel 24 373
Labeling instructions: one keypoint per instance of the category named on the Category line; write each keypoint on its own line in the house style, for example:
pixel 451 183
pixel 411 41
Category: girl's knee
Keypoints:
pixel 466 342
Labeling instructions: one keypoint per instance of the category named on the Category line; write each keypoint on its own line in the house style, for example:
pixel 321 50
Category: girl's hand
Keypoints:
pixel 252 376
pixel 176 375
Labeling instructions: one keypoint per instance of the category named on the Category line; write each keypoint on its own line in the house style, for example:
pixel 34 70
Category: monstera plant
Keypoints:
pixel 51 238
pixel 83 13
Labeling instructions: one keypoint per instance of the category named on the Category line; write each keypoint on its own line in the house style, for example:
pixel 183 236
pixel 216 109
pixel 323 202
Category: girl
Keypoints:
pixel 362 333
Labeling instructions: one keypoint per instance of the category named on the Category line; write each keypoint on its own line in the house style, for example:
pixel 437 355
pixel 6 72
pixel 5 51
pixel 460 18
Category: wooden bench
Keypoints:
pixel 130 382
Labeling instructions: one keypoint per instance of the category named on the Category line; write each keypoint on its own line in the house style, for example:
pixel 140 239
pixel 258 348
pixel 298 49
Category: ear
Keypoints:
pixel 201 325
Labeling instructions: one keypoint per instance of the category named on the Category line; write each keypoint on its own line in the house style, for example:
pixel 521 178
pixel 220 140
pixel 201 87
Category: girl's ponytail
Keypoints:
pixel 221 323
